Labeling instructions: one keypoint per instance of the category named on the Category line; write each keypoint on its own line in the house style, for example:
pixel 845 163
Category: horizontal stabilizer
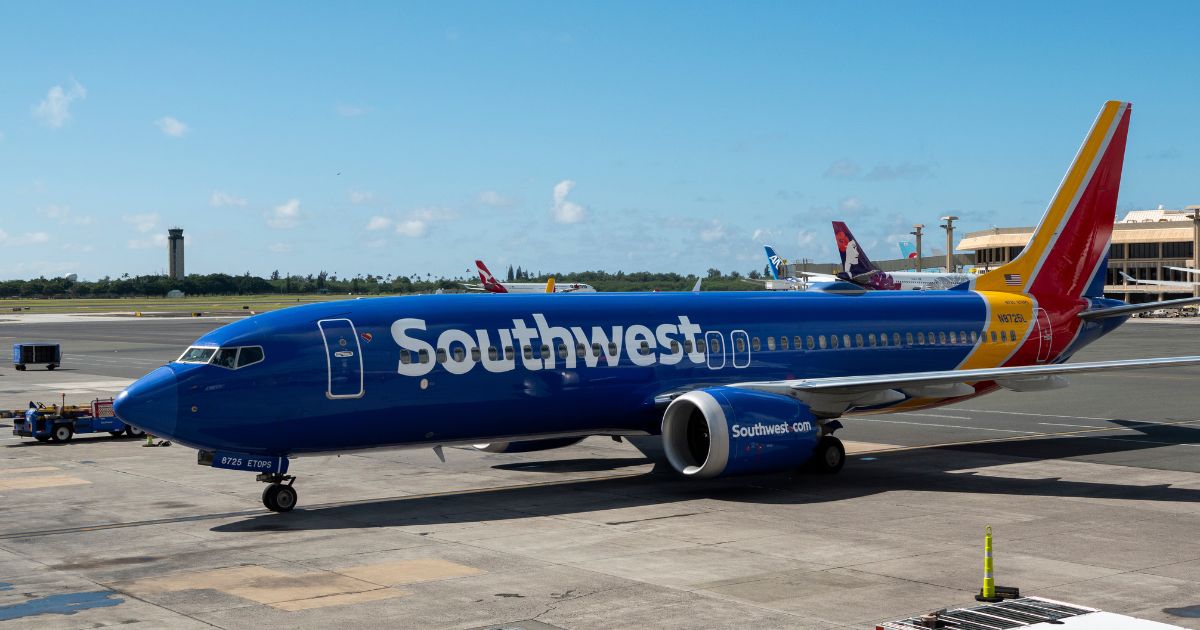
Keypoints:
pixel 1129 309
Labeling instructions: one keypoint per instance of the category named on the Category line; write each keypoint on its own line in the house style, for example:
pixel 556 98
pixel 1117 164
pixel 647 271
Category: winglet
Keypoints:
pixel 696 289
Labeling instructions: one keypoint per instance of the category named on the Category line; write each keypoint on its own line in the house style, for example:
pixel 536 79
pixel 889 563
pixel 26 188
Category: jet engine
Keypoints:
pixel 722 431
pixel 528 446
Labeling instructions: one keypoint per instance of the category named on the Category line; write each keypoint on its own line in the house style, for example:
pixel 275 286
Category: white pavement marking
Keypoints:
pixel 1082 426
pixel 933 415
pixel 946 426
pixel 1040 415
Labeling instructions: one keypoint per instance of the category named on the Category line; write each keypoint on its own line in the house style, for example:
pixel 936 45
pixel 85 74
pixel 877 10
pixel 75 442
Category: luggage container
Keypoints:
pixel 36 353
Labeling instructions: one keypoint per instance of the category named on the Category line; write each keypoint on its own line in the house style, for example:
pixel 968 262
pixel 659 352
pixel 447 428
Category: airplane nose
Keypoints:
pixel 151 403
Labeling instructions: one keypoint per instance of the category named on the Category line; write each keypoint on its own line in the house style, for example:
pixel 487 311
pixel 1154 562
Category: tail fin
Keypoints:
pixel 908 250
pixel 1069 248
pixel 854 260
pixel 773 261
pixel 489 281
pixel 550 285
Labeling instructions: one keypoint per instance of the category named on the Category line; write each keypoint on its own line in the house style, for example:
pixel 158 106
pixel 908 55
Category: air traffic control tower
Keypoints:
pixel 175 253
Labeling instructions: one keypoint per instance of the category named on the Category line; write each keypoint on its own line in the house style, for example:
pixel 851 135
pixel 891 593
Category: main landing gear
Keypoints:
pixel 829 455
pixel 279 496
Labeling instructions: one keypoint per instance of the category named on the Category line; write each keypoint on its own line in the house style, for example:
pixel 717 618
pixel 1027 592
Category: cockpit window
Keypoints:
pixel 196 354
pixel 226 358
pixel 249 356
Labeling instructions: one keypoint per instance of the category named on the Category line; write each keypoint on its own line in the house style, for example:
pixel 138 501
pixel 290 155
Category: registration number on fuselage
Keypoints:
pixel 253 463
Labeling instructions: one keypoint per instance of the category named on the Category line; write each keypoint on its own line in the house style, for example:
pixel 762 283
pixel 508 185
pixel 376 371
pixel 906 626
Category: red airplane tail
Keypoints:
pixel 489 281
pixel 1067 255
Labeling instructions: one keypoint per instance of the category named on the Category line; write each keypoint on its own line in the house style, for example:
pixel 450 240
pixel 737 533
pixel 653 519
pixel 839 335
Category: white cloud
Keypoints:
pixel 63 215
pixel 351 111
pixel 714 231
pixel 142 222
pixel 565 211
pixel 285 216
pixel 150 241
pixel 805 237
pixel 219 199
pixel 494 199
pixel 24 239
pixel 172 126
pixel 280 248
pixel 55 110
pixel 379 223
pixel 843 169
pixel 360 197
pixel 412 228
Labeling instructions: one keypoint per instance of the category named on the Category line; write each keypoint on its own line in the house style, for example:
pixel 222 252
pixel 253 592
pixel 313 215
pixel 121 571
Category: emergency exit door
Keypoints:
pixel 343 356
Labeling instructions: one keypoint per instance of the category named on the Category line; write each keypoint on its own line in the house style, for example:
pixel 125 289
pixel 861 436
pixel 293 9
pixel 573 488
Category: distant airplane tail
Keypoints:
pixel 773 261
pixel 1068 253
pixel 550 285
pixel 854 259
pixel 908 250
pixel 489 281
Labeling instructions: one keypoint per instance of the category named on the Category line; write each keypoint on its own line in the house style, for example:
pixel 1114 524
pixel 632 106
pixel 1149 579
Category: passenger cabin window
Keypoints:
pixel 700 346
pixel 441 355
pixel 845 341
pixel 770 343
pixel 908 338
pixel 833 341
pixel 783 343
pixel 493 354
pixel 994 337
pixel 196 354
pixel 249 355
pixel 509 353
pixel 405 356
pixel 562 351
pixel 974 336
pixel 896 339
pixel 424 354
pixel 526 351
pixel 821 339
pixel 796 342
pixel 810 344
pixel 687 345
pixel 459 355
pixel 871 339
pixel 754 345
pixel 644 348
pixel 920 339
pixel 475 354
pixel 740 344
pixel 858 340
pixel 953 337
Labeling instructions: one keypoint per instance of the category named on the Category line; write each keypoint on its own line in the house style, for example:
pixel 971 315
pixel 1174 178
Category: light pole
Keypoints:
pixel 917 233
pixel 1195 217
pixel 949 227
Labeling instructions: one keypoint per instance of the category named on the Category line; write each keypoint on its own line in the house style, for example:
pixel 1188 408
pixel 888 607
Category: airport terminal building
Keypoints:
pixel 1144 243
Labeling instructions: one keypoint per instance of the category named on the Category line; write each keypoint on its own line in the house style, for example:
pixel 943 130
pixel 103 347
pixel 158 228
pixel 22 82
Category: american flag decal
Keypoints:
pixel 1012 279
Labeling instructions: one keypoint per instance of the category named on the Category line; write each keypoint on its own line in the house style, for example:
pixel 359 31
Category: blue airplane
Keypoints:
pixel 734 382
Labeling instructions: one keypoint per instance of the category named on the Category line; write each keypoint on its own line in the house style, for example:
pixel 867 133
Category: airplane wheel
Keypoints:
pixel 62 433
pixel 829 456
pixel 134 431
pixel 279 498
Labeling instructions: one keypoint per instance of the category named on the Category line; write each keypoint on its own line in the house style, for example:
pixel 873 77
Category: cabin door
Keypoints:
pixel 1045 333
pixel 343 357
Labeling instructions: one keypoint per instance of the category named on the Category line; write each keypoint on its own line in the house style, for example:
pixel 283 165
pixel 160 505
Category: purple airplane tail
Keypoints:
pixel 856 266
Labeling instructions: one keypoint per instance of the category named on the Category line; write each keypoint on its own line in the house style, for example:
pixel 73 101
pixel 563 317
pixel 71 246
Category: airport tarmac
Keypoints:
pixel 1093 493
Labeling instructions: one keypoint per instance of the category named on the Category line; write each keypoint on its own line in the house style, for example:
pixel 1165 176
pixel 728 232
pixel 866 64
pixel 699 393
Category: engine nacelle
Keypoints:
pixel 528 446
pixel 730 431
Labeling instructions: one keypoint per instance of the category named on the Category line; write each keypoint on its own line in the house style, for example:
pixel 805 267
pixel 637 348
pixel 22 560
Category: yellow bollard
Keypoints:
pixel 989 580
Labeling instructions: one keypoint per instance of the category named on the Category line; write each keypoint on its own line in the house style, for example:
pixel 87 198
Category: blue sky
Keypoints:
pixel 391 138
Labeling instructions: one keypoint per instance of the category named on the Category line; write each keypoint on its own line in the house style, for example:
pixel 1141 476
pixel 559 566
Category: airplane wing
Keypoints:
pixel 473 287
pixel 1130 309
pixel 1158 283
pixel 833 396
pixel 1185 269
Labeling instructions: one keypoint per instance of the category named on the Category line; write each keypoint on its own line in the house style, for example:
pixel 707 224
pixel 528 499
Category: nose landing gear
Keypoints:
pixel 279 496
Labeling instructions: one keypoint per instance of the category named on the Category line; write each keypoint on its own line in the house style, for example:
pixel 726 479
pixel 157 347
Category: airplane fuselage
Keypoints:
pixel 407 371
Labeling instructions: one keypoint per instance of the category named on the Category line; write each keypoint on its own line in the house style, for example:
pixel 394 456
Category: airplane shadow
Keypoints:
pixel 935 469
pixel 593 464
